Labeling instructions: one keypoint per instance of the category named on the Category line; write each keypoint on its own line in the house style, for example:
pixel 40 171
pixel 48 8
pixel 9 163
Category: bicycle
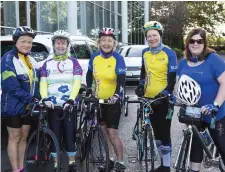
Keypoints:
pixel 192 117
pixel 91 141
pixel 143 132
pixel 38 149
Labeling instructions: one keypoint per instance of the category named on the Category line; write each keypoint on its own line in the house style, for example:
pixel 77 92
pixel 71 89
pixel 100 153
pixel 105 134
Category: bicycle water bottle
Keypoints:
pixel 206 137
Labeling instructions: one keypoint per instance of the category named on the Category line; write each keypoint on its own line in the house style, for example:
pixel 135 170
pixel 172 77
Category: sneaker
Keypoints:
pixel 73 167
pixel 118 167
pixel 161 169
pixel 102 167
pixel 158 169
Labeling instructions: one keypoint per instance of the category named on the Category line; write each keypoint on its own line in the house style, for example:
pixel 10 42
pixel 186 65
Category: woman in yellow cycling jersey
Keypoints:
pixel 107 71
pixel 158 73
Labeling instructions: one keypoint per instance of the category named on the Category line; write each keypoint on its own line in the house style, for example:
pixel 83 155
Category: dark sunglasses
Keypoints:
pixel 199 41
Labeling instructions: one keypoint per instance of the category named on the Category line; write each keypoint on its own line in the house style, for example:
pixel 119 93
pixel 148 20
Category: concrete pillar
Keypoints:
pixel 124 22
pixel 72 17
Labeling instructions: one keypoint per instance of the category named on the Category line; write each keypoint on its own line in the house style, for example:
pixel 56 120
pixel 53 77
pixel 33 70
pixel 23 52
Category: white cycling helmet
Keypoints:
pixel 61 34
pixel 188 91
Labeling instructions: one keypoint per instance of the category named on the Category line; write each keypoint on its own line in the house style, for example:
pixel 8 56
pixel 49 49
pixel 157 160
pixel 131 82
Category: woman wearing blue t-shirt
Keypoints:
pixel 207 68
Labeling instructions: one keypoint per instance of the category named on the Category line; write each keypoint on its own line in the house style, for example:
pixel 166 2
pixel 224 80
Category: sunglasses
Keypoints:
pixel 199 41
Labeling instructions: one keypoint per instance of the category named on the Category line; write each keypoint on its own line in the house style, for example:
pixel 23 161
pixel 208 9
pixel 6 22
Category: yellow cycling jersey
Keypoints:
pixel 157 67
pixel 105 71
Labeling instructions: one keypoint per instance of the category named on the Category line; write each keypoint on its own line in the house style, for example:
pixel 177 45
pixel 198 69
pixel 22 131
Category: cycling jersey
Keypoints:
pixel 19 85
pixel 206 75
pixel 157 67
pixel 60 80
pixel 105 72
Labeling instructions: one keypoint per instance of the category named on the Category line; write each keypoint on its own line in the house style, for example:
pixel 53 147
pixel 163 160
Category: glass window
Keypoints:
pixel 107 4
pixel 62 15
pixel 80 50
pixel 99 2
pixel 90 27
pixel 112 20
pixel 99 21
pixel 112 5
pixel 119 7
pixel 22 8
pixel 8 16
pixel 48 16
pixel 33 15
pixel 106 18
pixel 134 52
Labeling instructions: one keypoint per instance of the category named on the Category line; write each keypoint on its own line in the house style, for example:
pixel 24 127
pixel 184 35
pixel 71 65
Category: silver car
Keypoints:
pixel 132 55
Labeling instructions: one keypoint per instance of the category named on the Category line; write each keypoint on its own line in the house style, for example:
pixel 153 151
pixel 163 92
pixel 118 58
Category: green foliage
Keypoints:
pixel 179 52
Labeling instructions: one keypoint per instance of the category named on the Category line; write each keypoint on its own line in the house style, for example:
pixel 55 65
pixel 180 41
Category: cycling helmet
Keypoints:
pixel 188 90
pixel 61 34
pixel 152 25
pixel 23 30
pixel 107 32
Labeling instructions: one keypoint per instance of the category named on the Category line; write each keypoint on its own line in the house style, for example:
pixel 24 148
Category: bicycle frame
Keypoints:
pixel 188 132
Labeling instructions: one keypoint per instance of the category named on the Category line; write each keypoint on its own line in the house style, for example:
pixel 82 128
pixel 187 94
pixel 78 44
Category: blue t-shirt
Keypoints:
pixel 206 75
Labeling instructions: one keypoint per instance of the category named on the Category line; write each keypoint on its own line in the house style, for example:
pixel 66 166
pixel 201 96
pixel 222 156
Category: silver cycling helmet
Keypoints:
pixel 61 34
pixel 188 91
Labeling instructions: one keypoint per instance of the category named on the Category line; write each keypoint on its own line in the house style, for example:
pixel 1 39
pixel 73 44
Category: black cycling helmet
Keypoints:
pixel 107 32
pixel 21 31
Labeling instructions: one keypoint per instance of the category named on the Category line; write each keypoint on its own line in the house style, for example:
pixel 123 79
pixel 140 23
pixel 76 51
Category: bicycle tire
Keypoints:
pixel 140 146
pixel 221 165
pixel 101 148
pixel 43 148
pixel 82 142
pixel 181 156
pixel 149 148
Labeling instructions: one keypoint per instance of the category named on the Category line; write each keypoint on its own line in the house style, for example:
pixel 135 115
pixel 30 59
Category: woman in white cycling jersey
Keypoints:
pixel 207 68
pixel 59 86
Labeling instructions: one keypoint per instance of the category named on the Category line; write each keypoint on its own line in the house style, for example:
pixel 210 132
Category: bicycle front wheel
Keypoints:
pixel 97 151
pixel 149 148
pixel 38 151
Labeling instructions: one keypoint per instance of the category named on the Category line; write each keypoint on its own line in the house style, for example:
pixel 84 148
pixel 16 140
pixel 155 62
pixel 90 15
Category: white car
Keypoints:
pixel 132 56
pixel 81 47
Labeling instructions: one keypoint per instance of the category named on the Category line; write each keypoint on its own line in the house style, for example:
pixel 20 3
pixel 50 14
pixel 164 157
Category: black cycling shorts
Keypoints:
pixel 17 121
pixel 110 115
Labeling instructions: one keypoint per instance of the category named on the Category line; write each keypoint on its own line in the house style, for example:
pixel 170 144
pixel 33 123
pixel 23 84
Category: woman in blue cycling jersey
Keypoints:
pixel 59 85
pixel 158 73
pixel 19 83
pixel 106 71
pixel 208 69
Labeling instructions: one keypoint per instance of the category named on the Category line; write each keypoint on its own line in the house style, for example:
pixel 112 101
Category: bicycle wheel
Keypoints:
pixel 149 148
pixel 97 151
pixel 82 142
pixel 139 135
pixel 38 152
pixel 182 156
pixel 221 165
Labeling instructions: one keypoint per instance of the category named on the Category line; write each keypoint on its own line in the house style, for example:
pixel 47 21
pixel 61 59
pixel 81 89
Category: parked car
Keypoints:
pixel 132 55
pixel 81 47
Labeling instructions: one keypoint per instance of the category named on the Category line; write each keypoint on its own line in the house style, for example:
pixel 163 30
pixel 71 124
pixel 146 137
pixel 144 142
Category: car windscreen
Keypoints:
pixel 80 50
pixel 134 52
pixel 38 51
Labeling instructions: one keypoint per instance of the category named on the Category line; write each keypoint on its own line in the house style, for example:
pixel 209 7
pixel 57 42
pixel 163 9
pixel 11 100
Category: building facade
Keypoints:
pixel 78 17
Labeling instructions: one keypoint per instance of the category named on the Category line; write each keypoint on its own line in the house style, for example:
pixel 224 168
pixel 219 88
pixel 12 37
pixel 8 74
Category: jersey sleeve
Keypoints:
pixel 120 65
pixel 90 64
pixel 172 65
pixel 217 63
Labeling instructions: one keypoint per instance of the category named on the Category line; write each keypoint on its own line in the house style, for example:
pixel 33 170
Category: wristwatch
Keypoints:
pixel 216 104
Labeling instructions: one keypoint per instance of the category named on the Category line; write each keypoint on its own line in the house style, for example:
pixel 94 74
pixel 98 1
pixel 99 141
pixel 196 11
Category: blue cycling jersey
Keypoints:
pixel 206 75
